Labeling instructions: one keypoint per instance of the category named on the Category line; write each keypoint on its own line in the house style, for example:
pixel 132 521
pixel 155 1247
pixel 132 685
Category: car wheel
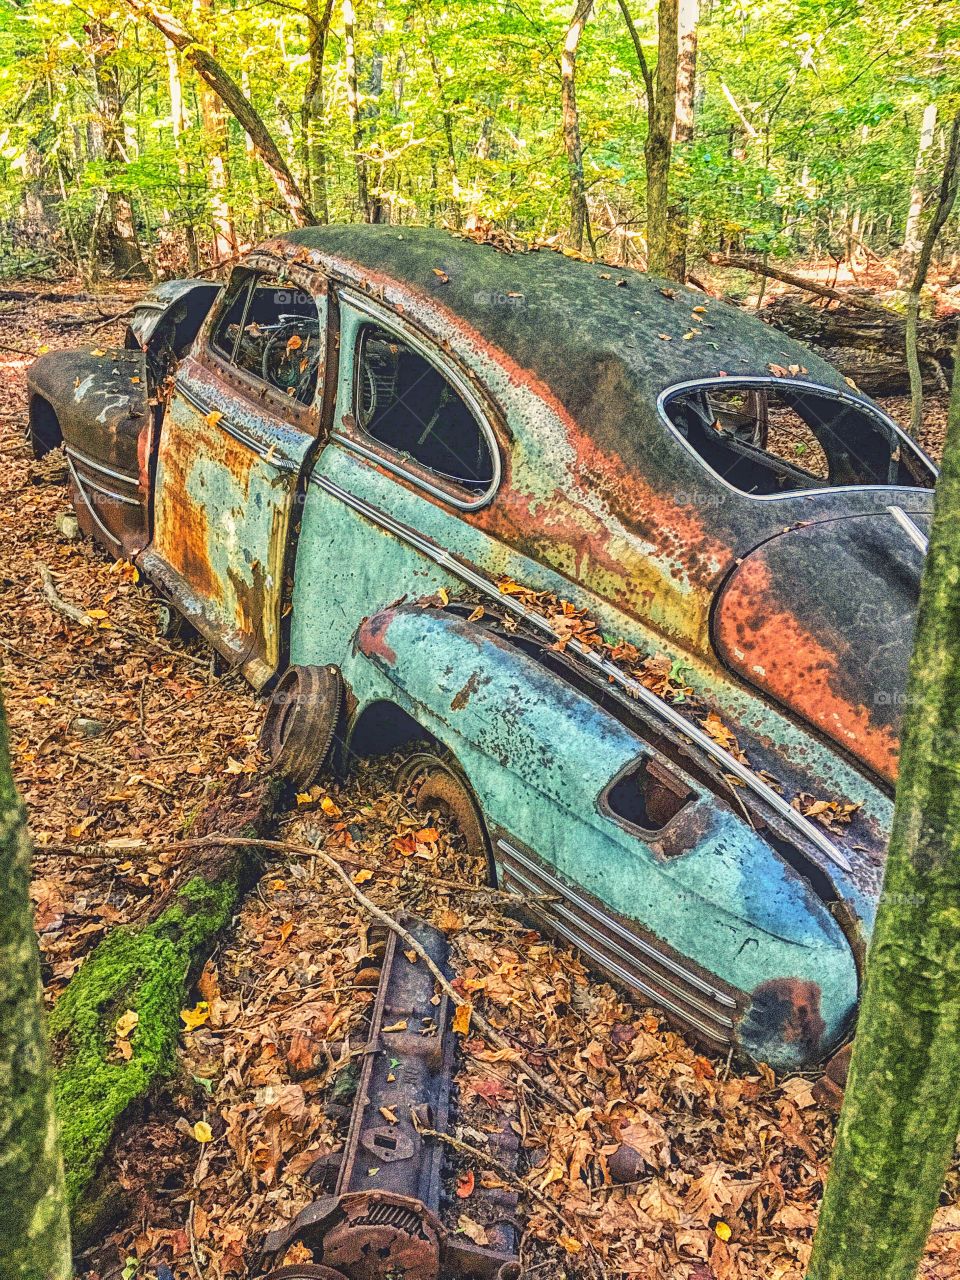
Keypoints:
pixel 440 784
pixel 301 722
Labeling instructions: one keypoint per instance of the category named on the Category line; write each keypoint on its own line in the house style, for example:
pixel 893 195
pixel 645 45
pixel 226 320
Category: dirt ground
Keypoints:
pixel 117 735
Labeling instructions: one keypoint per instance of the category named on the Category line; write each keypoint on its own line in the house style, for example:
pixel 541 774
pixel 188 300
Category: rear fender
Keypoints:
pixel 540 755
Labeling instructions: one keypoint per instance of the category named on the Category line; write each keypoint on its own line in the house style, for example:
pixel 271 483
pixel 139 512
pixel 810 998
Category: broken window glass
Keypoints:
pixel 768 439
pixel 271 330
pixel 405 403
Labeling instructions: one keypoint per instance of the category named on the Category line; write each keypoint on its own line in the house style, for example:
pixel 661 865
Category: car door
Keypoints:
pixel 242 423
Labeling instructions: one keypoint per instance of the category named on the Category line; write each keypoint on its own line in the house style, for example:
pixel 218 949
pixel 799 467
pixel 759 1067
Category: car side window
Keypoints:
pixel 272 331
pixel 405 403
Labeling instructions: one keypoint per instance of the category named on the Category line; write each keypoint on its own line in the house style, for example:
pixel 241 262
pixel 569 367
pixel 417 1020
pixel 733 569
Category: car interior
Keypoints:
pixel 767 439
pixel 272 331
pixel 405 403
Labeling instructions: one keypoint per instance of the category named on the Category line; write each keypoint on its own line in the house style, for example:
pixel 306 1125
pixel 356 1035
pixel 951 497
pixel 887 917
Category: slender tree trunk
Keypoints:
pixel 946 198
pixel 353 104
pixel 229 92
pixel 687 20
pixel 312 110
pixel 179 121
pixel 658 147
pixel 911 231
pixel 579 213
pixel 370 112
pixel 217 155
pixel 116 221
pixel 901 1112
pixel 35 1234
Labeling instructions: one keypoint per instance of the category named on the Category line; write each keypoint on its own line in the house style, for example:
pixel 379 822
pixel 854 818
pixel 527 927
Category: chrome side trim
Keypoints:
pixel 632 940
pixel 718 1027
pixel 278 460
pixel 911 529
pixel 111 537
pixel 387 320
pixel 87 483
pixel 98 466
pixel 633 688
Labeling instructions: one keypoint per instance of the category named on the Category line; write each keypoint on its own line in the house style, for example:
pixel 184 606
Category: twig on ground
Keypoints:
pixel 116 770
pixel 384 917
pixel 524 1188
pixel 82 619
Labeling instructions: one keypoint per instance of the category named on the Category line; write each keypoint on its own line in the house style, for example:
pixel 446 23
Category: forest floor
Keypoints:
pixel 117 736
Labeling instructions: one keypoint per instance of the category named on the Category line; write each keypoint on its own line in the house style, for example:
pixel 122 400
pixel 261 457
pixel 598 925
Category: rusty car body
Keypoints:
pixel 385 447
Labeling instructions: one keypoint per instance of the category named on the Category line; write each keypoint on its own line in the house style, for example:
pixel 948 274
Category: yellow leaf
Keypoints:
pixel 477 614
pixel 196 1016
pixel 722 1231
pixel 213 418
pixel 389 1115
pixel 125 1024
pixel 42 351
pixel 294 342
pixel 330 808
pixel 202 1131
pixel 363 876
pixel 568 1243
pixel 97 613
pixel 397 1026
pixel 461 1019
pixel 304 797
pixel 444 596
pixel 97 352
pixel 411 956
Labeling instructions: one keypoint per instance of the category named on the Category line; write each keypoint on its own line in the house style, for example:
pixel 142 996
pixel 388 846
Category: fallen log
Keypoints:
pixel 114 1030
pixel 761 268
pixel 868 347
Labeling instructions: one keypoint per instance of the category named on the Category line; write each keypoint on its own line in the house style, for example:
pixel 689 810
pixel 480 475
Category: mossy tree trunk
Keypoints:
pixel 34 1232
pixel 144 970
pixel 901 1113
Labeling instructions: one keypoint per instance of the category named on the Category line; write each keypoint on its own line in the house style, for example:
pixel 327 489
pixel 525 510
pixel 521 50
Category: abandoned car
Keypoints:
pixel 637 573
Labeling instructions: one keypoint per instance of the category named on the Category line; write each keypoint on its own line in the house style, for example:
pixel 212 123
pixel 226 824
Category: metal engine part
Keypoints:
pixel 382 1218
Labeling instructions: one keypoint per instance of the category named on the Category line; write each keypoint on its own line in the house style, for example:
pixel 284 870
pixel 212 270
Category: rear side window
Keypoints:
pixel 769 439
pixel 405 403
pixel 271 330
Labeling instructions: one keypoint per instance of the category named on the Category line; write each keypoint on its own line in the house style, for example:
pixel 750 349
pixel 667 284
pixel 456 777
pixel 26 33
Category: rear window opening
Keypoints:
pixel 766 439
pixel 647 796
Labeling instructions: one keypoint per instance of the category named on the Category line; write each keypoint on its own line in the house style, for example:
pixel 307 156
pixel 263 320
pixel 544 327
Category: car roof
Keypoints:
pixel 606 341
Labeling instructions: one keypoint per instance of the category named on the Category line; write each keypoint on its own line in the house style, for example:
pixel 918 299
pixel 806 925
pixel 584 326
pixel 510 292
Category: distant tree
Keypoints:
pixel 901 1113
pixel 579 213
pixel 943 207
pixel 34 1230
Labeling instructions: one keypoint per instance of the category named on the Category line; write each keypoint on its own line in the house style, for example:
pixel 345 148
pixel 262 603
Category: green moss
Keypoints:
pixel 146 970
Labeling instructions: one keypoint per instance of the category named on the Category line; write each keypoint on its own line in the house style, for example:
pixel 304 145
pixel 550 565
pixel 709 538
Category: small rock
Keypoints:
pixel 68 526
pixel 89 727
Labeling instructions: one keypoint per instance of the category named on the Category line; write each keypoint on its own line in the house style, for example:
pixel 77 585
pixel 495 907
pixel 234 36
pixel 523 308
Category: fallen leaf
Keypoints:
pixel 362 876
pixel 461 1019
pixel 196 1016
pixel 472 1230
pixel 213 417
pixel 202 1131
pixel 465 1184
pixel 126 1023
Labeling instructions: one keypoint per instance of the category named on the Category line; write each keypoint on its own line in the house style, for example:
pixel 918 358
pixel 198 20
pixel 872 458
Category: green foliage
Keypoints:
pixel 460 118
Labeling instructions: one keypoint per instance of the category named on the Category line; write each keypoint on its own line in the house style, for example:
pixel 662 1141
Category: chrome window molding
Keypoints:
pixel 388 458
pixel 267 453
pixel 82 458
pixel 831 393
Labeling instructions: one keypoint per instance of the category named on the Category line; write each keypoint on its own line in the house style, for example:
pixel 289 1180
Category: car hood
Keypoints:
pixel 821 619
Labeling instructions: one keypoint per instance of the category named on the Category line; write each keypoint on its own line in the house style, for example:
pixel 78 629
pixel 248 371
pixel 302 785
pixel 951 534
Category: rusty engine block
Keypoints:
pixel 380 1220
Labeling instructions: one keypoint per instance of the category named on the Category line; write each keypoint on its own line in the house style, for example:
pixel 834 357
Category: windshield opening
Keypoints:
pixel 765 438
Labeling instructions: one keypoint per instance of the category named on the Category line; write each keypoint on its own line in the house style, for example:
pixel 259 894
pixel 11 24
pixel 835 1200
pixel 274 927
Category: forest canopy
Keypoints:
pixel 804 127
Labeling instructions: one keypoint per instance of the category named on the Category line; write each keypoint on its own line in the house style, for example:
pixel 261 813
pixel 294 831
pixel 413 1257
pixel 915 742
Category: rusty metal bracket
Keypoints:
pixel 382 1218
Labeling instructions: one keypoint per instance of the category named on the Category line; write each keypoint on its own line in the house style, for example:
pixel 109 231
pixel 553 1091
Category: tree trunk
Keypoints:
pixel 35 1238
pixel 911 232
pixel 353 104
pixel 688 18
pixel 227 89
pixel 661 87
pixel 901 1112
pixel 178 122
pixel 312 109
pixel 579 214
pixel 120 240
pixel 946 198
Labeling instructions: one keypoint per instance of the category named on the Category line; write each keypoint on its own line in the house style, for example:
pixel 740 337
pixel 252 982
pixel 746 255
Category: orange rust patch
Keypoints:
pixel 771 648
